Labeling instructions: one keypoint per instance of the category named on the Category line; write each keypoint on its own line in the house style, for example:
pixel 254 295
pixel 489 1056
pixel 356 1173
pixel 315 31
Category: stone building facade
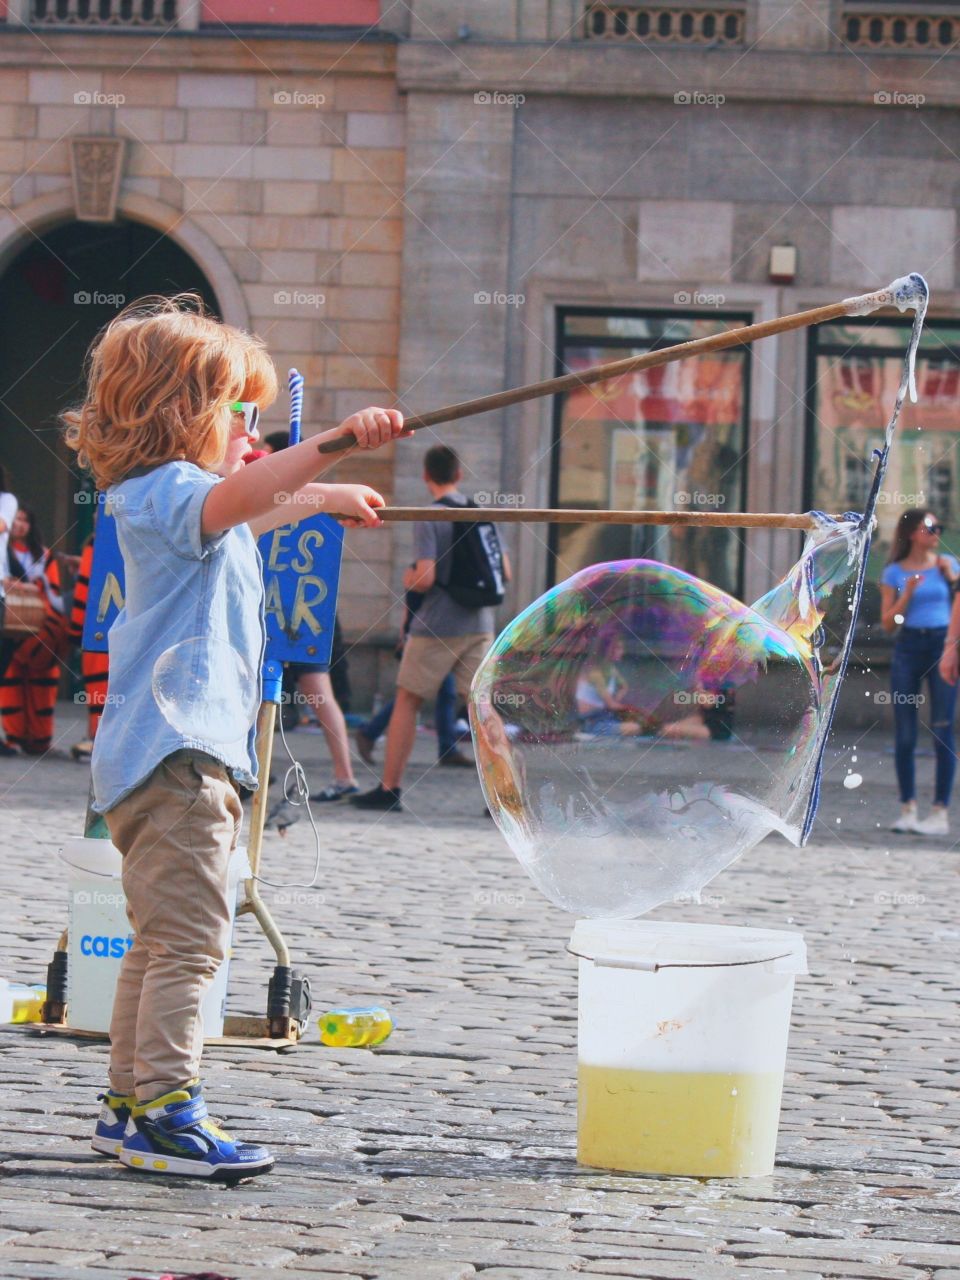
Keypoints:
pixel 634 162
pixel 263 166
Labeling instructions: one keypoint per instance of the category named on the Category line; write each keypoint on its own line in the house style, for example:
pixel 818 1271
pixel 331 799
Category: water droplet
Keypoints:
pixel 852 780
pixel 898 619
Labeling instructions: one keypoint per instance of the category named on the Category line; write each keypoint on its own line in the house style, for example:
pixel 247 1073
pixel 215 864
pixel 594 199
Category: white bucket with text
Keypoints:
pixel 99 935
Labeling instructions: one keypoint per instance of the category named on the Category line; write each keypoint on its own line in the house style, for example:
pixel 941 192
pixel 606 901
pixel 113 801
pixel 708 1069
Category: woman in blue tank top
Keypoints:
pixel 916 595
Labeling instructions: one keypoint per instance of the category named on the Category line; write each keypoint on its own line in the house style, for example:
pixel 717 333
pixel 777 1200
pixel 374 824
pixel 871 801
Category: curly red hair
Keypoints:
pixel 160 381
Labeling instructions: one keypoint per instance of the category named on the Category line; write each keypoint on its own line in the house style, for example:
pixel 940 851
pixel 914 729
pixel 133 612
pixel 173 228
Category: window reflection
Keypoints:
pixel 855 370
pixel 668 438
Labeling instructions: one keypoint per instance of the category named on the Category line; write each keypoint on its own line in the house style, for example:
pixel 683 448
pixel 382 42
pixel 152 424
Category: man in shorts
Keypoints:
pixel 444 635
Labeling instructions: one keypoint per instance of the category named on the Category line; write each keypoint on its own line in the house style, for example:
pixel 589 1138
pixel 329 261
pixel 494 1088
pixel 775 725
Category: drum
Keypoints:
pixel 25 609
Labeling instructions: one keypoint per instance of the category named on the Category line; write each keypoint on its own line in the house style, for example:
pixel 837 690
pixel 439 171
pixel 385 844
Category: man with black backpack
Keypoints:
pixel 462 572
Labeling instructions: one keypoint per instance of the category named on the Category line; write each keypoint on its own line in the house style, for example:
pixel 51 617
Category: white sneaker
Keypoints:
pixel 907 820
pixel 936 825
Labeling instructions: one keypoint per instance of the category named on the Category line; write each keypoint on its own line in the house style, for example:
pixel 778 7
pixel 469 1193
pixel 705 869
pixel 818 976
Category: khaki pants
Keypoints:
pixel 428 660
pixel 176 833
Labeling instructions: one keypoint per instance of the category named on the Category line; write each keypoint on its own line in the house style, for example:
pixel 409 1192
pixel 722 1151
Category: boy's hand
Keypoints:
pixel 355 505
pixel 373 427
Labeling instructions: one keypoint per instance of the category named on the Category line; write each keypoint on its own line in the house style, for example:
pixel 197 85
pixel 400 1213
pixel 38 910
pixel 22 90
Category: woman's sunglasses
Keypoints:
pixel 931 527
pixel 251 416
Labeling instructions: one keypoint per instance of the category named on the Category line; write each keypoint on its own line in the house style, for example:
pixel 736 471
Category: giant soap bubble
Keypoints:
pixel 206 690
pixel 638 729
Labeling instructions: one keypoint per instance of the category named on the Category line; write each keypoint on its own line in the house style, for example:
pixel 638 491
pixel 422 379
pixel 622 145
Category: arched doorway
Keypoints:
pixel 57 293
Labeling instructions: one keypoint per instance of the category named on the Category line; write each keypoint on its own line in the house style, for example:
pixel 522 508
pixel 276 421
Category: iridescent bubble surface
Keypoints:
pixel 206 690
pixel 637 729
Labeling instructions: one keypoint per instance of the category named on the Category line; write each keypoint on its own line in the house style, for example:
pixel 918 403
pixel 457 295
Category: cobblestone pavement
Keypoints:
pixel 450 1151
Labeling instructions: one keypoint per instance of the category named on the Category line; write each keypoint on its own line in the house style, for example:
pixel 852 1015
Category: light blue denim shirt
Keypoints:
pixel 178 586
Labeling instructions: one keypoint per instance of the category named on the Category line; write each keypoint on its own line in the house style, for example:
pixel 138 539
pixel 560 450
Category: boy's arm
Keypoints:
pixel 335 500
pixel 269 483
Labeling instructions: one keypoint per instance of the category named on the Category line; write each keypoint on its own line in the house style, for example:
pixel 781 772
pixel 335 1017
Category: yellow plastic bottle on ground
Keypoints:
pixel 20 1002
pixel 355 1028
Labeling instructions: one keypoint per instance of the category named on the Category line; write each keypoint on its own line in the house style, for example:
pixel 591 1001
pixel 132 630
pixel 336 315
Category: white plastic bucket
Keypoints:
pixel 682 1045
pixel 99 935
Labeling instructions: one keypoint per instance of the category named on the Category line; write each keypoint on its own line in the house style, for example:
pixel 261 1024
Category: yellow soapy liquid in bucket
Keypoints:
pixel 694 1123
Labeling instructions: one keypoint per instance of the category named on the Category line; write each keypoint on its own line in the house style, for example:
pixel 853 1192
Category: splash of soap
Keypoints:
pixel 906 293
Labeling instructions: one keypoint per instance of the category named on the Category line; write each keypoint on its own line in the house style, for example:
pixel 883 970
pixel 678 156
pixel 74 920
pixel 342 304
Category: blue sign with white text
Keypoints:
pixel 301 578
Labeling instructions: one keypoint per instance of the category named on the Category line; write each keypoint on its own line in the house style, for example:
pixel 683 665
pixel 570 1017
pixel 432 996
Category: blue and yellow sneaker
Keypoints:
pixel 173 1135
pixel 114 1114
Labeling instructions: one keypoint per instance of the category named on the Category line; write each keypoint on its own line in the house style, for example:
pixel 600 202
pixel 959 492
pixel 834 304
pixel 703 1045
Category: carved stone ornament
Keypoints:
pixel 95 164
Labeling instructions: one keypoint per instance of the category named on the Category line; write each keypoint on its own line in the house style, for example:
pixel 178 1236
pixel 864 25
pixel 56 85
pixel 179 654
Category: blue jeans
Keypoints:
pixel 444 715
pixel 915 658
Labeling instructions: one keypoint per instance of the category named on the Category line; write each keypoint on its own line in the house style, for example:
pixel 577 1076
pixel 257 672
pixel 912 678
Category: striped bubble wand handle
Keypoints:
pixel 295 383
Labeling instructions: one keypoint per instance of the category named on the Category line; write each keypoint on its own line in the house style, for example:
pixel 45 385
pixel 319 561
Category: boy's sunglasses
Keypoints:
pixel 932 527
pixel 251 416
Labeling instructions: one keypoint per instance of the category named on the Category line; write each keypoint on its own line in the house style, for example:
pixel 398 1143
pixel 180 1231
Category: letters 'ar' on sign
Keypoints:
pixel 301 578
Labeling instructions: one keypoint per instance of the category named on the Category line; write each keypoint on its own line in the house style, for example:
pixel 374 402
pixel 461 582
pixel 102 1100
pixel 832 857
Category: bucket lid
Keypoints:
pixel 660 944
pixel 91 856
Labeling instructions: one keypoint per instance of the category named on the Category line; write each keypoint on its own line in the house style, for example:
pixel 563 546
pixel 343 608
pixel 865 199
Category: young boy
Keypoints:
pixel 172 395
